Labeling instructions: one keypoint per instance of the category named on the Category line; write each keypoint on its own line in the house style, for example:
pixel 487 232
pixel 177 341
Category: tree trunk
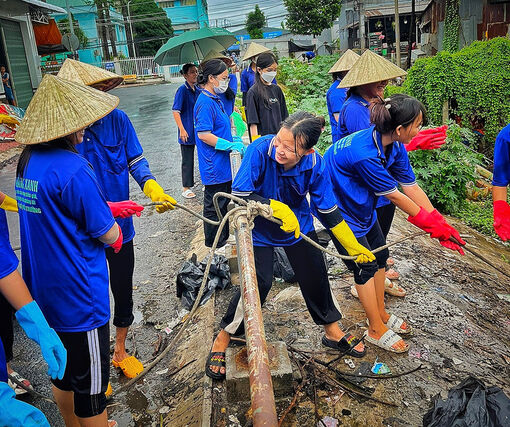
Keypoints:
pixel 101 27
pixel 111 30
pixel 127 29
pixel 412 28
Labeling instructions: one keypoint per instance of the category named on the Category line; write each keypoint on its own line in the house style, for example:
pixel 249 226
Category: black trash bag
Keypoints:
pixel 281 266
pixel 189 279
pixel 470 404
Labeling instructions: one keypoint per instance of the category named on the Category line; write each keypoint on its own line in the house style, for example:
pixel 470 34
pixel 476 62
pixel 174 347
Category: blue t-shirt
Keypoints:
pixel 261 174
pixel 248 79
pixel 361 172
pixel 354 115
pixel 229 103
pixel 501 176
pixel 210 116
pixel 114 151
pixel 184 102
pixel 335 98
pixel 62 212
pixel 8 260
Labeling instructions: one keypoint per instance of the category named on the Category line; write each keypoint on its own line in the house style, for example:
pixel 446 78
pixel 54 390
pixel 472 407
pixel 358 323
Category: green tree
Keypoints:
pixel 254 22
pixel 451 26
pixel 152 29
pixel 63 24
pixel 311 16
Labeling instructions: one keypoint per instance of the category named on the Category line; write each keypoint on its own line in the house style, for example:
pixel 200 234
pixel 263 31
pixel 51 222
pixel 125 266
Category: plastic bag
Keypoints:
pixel 470 404
pixel 281 266
pixel 191 274
pixel 239 124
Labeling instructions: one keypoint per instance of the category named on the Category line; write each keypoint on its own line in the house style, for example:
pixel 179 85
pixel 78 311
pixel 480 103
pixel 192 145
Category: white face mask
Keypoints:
pixel 269 76
pixel 222 88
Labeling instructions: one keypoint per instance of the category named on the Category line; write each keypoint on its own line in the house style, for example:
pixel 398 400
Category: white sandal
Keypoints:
pixel 388 339
pixel 188 194
pixel 18 389
pixel 395 324
pixel 389 288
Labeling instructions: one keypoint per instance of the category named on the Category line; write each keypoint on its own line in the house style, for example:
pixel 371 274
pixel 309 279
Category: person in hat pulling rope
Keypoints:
pixel 366 80
pixel 114 151
pixel 248 74
pixel 282 171
pixel 65 221
pixel 182 109
pixel 335 96
pixel 500 181
pixel 369 164
pixel 14 290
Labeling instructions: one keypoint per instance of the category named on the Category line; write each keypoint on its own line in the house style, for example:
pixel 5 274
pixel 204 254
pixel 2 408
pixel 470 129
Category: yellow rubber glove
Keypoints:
pixel 153 190
pixel 9 204
pixel 254 138
pixel 243 113
pixel 285 214
pixel 348 240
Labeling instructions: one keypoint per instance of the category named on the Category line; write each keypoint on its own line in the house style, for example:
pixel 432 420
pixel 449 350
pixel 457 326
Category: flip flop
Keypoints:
pixel 393 289
pixel 131 366
pixel 395 324
pixel 386 341
pixel 188 194
pixel 109 390
pixel 216 358
pixel 390 262
pixel 17 389
pixel 345 345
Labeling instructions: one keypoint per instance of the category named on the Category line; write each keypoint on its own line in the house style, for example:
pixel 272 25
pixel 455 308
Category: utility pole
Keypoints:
pixel 361 26
pixel 411 33
pixel 131 29
pixel 397 34
pixel 69 17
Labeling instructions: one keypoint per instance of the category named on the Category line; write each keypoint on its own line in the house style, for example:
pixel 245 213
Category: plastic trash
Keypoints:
pixel 189 279
pixel 328 422
pixel 281 266
pixel 470 404
pixel 380 368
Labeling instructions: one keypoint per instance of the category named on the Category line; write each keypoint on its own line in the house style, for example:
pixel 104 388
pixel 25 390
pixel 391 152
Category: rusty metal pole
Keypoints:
pixel 261 384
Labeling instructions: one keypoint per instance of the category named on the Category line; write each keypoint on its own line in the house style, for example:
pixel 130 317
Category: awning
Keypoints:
pixel 295 47
pixel 48 38
pixel 420 6
pixel 45 6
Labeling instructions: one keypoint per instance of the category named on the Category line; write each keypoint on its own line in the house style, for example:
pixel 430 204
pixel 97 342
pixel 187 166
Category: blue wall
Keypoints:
pixel 180 15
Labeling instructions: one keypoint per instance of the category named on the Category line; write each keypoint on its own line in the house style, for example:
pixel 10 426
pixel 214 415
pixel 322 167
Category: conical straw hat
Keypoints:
pixel 345 62
pixel 254 49
pixel 214 54
pixel 370 68
pixel 89 75
pixel 60 107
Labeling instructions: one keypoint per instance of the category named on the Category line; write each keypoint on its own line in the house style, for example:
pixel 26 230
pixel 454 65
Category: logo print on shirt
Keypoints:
pixel 26 195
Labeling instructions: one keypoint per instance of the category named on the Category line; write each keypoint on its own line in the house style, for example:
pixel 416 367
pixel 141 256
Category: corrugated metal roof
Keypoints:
pixel 390 10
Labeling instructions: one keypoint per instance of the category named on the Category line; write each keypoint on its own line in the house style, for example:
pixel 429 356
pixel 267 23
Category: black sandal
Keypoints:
pixel 345 345
pixel 215 359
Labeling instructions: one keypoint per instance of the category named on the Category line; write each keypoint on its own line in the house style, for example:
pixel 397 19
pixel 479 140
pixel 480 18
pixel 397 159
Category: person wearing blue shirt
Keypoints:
pixel 182 108
pixel 14 290
pixel 214 142
pixel 112 148
pixel 282 171
pixel 65 221
pixel 335 98
pixel 365 166
pixel 500 181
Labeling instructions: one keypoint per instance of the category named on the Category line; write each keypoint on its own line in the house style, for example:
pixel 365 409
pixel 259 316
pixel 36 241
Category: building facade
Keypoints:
pixel 186 15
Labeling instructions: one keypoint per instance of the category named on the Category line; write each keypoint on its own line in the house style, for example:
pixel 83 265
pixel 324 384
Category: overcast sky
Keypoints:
pixel 235 11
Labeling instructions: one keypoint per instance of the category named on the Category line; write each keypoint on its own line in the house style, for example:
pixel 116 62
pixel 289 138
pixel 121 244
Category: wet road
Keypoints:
pixel 160 248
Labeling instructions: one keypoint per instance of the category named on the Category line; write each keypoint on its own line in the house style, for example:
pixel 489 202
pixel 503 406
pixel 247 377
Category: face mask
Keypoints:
pixel 269 76
pixel 222 88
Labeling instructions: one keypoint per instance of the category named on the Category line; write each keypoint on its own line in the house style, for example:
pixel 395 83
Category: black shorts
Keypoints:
pixel 88 369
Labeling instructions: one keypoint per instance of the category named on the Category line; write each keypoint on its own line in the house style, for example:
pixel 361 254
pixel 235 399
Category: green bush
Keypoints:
pixel 392 90
pixel 444 173
pixel 475 81
pixel 478 215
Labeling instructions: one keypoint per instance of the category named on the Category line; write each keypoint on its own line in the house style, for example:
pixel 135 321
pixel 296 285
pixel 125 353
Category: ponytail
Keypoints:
pixel 213 67
pixel 397 110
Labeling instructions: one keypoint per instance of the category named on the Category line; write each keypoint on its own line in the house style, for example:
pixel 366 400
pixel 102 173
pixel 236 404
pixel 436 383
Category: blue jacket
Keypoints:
pixel 184 102
pixel 335 98
pixel 501 177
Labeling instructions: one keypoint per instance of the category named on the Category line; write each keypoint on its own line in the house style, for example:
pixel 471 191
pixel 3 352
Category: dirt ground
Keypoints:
pixel 461 328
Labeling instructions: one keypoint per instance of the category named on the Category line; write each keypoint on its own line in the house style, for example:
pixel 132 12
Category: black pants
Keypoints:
pixel 372 240
pixel 6 328
pixel 312 277
pixel 121 268
pixel 385 215
pixel 187 165
pixel 210 212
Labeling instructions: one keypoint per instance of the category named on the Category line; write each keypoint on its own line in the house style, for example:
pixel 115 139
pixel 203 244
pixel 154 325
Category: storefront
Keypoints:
pixel 18 48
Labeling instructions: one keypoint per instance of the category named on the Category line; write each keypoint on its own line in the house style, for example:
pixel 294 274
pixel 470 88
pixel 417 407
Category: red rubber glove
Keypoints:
pixel 125 209
pixel 428 139
pixel 436 225
pixel 117 245
pixel 502 219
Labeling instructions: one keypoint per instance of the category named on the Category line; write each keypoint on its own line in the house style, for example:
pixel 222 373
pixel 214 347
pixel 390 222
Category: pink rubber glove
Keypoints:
pixel 125 209
pixel 428 139
pixel 502 219
pixel 117 245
